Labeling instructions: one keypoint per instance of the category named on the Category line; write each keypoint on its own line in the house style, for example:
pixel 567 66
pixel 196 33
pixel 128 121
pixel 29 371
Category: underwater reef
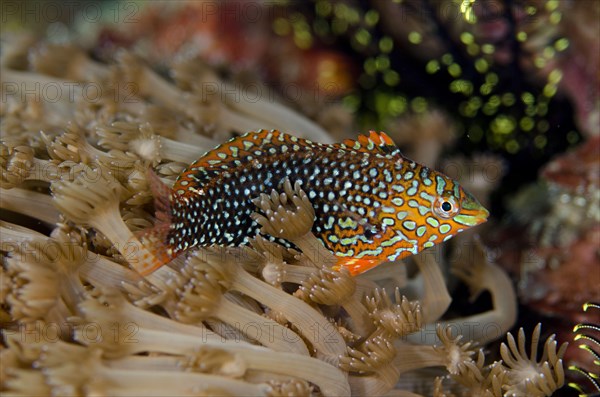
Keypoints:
pixel 501 96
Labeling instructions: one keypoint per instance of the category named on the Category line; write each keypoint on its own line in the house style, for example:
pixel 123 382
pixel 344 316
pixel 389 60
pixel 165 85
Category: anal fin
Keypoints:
pixel 356 266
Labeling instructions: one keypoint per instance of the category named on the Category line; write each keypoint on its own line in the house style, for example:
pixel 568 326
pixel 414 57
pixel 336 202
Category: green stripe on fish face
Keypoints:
pixel 440 184
pixel 472 213
pixel 471 220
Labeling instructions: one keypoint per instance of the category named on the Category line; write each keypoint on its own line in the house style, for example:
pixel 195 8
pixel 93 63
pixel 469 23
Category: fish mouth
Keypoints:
pixel 472 212
pixel 481 216
pixel 472 218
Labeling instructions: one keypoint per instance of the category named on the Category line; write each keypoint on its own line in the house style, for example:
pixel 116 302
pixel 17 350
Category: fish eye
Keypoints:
pixel 445 206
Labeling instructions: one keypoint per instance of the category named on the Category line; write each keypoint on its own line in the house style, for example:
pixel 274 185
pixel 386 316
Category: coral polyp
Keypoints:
pixel 320 261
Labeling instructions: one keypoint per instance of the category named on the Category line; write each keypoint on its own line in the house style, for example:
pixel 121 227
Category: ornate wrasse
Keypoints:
pixel 371 204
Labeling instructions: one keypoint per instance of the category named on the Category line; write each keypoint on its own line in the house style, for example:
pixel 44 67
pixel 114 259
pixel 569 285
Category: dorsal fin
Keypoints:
pixel 376 142
pixel 252 145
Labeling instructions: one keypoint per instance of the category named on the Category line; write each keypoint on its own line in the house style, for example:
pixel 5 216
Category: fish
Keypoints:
pixel 372 205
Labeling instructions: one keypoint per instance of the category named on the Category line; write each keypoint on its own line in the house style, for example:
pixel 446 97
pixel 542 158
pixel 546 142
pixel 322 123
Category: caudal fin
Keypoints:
pixel 156 238
pixel 162 196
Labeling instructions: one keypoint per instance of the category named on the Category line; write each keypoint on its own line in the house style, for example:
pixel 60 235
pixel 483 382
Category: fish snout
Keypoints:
pixel 472 212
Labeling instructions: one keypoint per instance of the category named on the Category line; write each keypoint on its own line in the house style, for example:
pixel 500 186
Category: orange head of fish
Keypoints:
pixel 430 208
pixel 422 208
